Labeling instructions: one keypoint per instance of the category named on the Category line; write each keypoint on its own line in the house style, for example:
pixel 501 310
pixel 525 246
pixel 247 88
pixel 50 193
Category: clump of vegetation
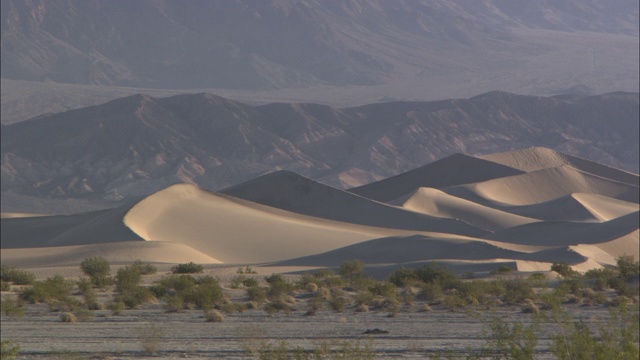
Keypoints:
pixel 188 268
pixel 130 292
pixel 9 350
pixel 245 270
pixel 502 270
pixel 10 307
pixel 55 291
pixel 184 290
pixel 15 276
pixel 98 270
pixel 68 317
pixel 144 268
pixel 150 337
pixel 563 269
pixel 213 316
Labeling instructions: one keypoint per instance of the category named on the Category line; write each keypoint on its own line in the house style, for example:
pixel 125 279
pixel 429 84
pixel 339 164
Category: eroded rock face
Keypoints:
pixel 137 145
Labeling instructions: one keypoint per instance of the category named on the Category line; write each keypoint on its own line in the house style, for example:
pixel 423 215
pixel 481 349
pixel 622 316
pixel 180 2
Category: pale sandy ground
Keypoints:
pixel 530 208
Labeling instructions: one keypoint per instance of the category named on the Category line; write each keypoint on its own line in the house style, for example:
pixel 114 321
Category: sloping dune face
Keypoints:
pixel 238 231
pixel 438 203
pixel 453 170
pixel 525 209
pixel 544 185
pixel 289 191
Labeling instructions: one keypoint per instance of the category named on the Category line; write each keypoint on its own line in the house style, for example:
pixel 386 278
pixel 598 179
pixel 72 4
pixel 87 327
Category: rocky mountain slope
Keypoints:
pixel 136 145
pixel 573 44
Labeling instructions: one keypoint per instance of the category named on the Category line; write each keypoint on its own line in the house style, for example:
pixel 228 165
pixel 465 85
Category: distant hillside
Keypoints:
pixel 137 145
pixel 536 46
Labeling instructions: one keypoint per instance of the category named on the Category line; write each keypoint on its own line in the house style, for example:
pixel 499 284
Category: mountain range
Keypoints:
pixel 134 146
pixel 413 47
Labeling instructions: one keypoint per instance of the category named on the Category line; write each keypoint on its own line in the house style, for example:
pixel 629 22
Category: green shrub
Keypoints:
pixel 430 292
pixel 257 294
pixel 8 350
pixel 385 289
pixel 15 276
pixel 351 269
pixel 338 303
pixel 278 286
pixel 10 307
pixel 433 273
pixel 511 341
pixel 204 295
pixel 188 268
pixel 175 303
pixel 627 266
pixel 144 268
pixel 54 288
pixel 563 269
pixel 5 286
pixel 517 290
pixel 98 269
pixel 503 269
pixel 403 277
pixel 127 277
pixel 135 296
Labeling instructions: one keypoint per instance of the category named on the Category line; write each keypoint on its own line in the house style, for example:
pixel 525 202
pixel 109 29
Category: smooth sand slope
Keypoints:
pixel 524 209
pixel 543 185
pixel 289 191
pixel 440 204
pixel 102 226
pixel 233 230
pixel 453 170
pixel 116 252
pixel 538 158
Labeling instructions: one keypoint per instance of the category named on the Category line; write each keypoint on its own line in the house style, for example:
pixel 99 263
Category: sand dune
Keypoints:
pixel 238 231
pixel 524 209
pixel 289 191
pixel 440 204
pixel 538 158
pixel 453 170
pixel 408 249
pixel 116 253
pixel 543 185
pixel 564 233
pixel 83 229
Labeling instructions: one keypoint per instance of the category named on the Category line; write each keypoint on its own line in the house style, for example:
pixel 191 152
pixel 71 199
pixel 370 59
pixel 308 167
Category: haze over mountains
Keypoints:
pixel 341 53
pixel 137 145
pixel 286 220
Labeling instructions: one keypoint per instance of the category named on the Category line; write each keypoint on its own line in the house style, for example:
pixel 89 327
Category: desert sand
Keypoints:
pixel 526 208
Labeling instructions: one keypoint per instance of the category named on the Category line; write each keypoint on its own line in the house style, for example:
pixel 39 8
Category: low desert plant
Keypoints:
pixel 150 337
pixel 213 316
pixel 144 268
pixel 53 289
pixel 9 350
pixel 188 268
pixel 10 307
pixel 351 269
pixel 517 290
pixel 257 294
pixel 15 276
pixel 68 317
pixel 97 269
pixel 116 307
pixel 563 269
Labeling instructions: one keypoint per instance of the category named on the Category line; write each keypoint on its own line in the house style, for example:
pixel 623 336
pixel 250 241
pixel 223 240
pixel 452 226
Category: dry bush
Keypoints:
pixel 150 337
pixel 213 316
pixel 68 317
